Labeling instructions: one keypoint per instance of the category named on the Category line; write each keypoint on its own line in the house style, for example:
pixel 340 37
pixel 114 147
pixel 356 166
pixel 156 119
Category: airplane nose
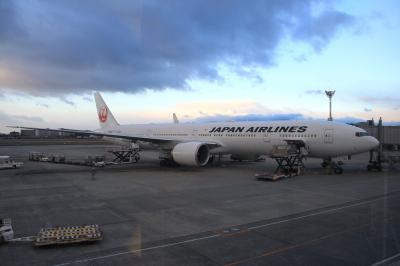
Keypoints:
pixel 373 142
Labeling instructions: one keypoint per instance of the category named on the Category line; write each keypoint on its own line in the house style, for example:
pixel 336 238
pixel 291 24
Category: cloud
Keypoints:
pixel 88 99
pixel 319 30
pixel 69 102
pixel 9 26
pixel 250 117
pixel 42 105
pixel 315 92
pixel 380 100
pixel 52 48
pixel 271 117
pixel 202 113
pixel 391 123
pixel 226 107
pixel 367 110
pixel 391 102
pixel 349 120
pixel 6 118
pixel 300 58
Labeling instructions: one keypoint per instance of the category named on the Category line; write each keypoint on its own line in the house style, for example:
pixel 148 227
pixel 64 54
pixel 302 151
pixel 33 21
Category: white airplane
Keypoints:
pixel 126 142
pixel 193 144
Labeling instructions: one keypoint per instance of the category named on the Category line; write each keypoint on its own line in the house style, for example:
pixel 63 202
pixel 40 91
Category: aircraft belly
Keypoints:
pixel 329 150
pixel 147 145
pixel 254 146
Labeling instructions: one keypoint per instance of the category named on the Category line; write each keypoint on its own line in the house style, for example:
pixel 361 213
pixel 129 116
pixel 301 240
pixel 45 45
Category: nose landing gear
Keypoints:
pixel 375 162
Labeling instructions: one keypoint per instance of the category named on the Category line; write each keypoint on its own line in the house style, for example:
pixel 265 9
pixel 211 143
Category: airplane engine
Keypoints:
pixel 191 153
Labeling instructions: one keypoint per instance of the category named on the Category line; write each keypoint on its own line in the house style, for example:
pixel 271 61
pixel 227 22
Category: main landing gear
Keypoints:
pixel 331 165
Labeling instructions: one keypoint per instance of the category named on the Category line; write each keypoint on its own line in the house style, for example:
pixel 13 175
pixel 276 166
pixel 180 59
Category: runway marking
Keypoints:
pixel 313 214
pixel 289 247
pixel 218 235
pixel 386 260
pixel 138 250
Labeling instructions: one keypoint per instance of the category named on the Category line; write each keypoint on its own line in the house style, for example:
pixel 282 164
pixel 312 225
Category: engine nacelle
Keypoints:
pixel 191 153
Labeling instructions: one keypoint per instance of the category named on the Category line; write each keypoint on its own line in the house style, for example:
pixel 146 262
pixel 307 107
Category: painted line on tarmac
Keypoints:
pixel 290 247
pixel 386 260
pixel 218 235
pixel 138 250
pixel 313 214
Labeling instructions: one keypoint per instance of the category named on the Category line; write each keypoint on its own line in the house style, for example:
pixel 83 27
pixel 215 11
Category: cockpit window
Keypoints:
pixel 361 134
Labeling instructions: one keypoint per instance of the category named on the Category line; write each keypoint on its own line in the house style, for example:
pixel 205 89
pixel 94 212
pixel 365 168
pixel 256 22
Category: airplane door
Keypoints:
pixel 328 136
pixel 267 137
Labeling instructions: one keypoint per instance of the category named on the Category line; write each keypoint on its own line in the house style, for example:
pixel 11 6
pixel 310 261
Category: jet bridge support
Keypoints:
pixel 375 160
pixel 375 156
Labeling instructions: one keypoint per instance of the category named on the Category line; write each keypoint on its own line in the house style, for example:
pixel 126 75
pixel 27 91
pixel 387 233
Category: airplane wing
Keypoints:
pixel 116 134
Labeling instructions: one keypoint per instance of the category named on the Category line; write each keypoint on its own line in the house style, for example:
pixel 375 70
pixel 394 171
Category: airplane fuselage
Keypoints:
pixel 323 139
pixel 191 144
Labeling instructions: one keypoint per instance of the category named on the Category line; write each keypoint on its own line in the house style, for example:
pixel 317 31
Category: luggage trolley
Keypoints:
pixel 52 235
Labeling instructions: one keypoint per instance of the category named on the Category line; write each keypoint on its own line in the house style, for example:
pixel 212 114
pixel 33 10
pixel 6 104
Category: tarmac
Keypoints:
pixel 216 215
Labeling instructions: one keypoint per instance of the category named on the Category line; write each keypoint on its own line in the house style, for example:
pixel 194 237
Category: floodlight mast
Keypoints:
pixel 330 95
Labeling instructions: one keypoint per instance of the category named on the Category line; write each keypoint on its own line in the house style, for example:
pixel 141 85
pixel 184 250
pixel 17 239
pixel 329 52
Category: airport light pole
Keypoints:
pixel 330 95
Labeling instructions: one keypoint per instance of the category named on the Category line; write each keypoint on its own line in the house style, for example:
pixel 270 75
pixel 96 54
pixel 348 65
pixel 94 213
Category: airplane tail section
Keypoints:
pixel 106 118
pixel 175 118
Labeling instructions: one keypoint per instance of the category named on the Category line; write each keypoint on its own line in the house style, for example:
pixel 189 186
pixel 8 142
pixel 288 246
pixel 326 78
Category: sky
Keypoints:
pixel 227 60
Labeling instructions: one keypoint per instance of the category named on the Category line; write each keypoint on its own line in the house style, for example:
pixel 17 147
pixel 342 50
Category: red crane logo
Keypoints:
pixel 103 114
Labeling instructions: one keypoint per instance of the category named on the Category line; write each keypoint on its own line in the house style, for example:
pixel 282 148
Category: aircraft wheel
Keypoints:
pixel 324 164
pixel 163 163
pixel 338 170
